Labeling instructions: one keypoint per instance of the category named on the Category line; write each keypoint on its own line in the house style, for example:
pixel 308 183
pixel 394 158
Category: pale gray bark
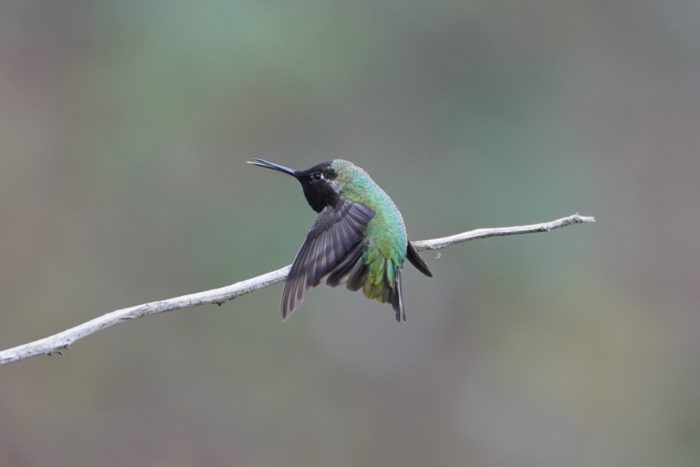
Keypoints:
pixel 61 341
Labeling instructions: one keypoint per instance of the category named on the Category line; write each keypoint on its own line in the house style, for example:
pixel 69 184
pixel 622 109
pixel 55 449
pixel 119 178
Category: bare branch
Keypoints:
pixel 440 243
pixel 57 343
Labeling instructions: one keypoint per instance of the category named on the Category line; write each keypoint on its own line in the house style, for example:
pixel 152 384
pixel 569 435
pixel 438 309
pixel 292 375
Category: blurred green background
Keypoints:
pixel 124 128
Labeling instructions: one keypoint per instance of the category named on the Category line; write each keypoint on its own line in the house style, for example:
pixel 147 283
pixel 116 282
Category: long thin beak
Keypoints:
pixel 273 166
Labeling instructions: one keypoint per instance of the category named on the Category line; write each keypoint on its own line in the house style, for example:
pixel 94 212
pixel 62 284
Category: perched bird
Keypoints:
pixel 358 237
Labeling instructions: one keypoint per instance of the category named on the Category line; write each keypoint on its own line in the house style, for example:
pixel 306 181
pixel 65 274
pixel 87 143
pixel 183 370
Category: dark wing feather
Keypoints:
pixel 417 261
pixel 358 276
pixel 332 248
pixel 342 271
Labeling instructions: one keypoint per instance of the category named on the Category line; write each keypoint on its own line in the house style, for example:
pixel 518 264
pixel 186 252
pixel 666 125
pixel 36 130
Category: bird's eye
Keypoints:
pixel 317 176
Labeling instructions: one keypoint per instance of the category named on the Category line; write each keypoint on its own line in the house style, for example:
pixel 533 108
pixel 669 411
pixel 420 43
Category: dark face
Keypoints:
pixel 315 181
pixel 318 190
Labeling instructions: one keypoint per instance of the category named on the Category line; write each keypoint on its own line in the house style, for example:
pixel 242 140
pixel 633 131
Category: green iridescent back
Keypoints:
pixel 386 233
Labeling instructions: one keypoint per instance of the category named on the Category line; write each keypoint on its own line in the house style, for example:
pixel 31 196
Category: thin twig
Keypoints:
pixel 61 341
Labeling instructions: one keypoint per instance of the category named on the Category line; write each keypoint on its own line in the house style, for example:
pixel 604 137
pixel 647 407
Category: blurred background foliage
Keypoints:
pixel 124 127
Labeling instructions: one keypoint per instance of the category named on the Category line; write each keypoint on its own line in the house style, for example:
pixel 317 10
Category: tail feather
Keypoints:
pixel 397 299
pixel 381 283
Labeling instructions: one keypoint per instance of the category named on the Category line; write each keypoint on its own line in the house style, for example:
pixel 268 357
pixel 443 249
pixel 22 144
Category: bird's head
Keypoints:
pixel 322 183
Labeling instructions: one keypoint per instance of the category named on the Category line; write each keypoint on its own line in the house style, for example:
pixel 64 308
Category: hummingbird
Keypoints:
pixel 358 238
